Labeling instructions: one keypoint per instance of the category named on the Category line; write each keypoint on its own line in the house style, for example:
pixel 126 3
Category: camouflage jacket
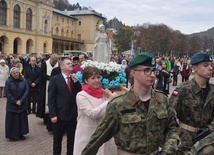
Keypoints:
pixel 134 129
pixel 203 146
pixel 192 110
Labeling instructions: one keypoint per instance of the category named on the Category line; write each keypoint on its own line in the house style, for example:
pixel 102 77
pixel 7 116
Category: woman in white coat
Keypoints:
pixel 91 103
pixel 4 74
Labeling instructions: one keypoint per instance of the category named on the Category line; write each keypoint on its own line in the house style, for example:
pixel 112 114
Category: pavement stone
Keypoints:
pixel 38 141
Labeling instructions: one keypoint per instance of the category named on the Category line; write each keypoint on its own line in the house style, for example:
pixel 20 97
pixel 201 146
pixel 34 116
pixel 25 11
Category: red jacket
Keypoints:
pixel 185 71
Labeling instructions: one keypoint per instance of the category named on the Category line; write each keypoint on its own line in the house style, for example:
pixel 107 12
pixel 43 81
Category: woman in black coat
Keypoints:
pixel 16 89
pixel 162 77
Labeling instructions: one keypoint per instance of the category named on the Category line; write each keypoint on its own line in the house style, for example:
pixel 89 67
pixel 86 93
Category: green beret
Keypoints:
pixel 144 58
pixel 201 57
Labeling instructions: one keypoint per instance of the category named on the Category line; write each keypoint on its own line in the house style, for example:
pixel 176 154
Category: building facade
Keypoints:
pixel 75 30
pixel 34 26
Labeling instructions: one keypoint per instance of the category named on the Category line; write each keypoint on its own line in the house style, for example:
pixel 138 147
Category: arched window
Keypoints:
pixel 1 45
pixel 29 19
pixel 67 33
pixel 79 36
pixel 57 30
pixel 72 34
pixel 44 47
pixel 46 26
pixel 62 33
pixel 16 16
pixel 3 12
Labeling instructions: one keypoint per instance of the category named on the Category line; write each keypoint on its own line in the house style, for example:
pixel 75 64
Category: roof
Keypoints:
pixel 64 13
pixel 84 12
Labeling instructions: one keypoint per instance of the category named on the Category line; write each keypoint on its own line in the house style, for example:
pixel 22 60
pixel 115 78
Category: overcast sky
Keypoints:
pixel 187 16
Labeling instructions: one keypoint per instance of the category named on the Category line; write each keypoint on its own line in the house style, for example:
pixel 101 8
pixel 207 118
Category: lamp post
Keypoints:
pixel 110 44
pixel 139 49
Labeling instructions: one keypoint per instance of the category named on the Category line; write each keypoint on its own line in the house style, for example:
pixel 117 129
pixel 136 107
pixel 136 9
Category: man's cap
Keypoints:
pixel 144 58
pixel 201 57
pixel 2 61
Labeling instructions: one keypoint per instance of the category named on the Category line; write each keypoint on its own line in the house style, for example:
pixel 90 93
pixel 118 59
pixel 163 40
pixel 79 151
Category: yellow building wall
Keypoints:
pixel 37 36
pixel 41 41
pixel 68 24
pixel 88 29
pixel 37 42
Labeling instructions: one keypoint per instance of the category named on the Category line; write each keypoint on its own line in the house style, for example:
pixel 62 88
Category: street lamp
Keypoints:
pixel 139 49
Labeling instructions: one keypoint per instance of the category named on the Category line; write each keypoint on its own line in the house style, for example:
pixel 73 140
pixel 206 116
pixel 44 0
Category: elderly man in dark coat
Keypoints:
pixel 46 69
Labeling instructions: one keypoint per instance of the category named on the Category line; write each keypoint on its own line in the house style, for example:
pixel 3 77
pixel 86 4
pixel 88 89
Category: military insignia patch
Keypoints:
pixel 210 57
pixel 157 99
pixel 132 101
pixel 153 61
pixel 175 93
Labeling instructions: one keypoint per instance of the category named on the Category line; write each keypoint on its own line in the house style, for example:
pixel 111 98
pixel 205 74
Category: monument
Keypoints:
pixel 101 51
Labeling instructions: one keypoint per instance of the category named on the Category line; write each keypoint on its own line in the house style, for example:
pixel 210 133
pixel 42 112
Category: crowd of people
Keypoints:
pixel 143 120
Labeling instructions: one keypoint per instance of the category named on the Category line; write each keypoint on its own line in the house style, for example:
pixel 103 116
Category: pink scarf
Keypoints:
pixel 95 92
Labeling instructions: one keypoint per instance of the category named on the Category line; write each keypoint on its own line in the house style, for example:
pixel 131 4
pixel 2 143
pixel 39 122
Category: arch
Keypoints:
pixel 67 33
pixel 62 47
pixel 16 16
pixel 45 47
pixel 3 12
pixel 72 34
pixel 29 46
pixel 55 46
pixel 57 30
pixel 4 44
pixel 29 16
pixel 17 46
pixel 67 46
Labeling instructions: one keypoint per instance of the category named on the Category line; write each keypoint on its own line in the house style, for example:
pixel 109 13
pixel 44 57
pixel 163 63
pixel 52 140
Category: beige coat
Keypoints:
pixel 90 112
pixel 4 74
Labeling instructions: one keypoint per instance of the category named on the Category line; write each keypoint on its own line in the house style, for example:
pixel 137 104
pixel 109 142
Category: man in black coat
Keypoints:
pixel 46 69
pixel 62 92
pixel 32 75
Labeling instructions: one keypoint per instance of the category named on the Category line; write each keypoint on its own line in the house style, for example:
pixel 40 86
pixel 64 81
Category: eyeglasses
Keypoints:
pixel 147 71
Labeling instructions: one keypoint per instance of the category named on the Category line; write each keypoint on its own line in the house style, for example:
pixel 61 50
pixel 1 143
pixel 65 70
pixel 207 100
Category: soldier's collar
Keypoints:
pixel 195 87
pixel 132 97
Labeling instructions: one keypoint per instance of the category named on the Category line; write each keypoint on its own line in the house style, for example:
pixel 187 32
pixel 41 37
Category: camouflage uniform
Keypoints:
pixel 135 130
pixel 203 147
pixel 187 100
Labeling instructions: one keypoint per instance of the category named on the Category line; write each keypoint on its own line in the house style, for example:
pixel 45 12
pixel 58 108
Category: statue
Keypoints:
pixel 101 52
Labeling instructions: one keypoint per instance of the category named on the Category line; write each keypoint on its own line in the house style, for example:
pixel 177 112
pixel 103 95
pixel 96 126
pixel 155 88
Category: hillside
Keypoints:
pixel 64 4
pixel 205 36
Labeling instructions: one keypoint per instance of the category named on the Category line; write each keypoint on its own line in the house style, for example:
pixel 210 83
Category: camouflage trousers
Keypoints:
pixel 204 146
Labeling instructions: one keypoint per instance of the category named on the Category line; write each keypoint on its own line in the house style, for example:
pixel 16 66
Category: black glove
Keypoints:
pixel 162 153
pixel 201 133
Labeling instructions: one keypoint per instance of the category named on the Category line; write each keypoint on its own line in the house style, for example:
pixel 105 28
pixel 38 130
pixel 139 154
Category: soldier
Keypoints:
pixel 203 147
pixel 142 119
pixel 194 103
